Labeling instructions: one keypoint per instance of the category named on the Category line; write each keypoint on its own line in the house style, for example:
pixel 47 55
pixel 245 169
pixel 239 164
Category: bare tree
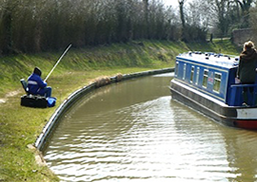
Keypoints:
pixel 245 9
pixel 7 11
pixel 182 17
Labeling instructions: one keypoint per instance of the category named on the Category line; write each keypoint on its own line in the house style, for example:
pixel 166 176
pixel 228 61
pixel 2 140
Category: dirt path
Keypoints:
pixel 10 94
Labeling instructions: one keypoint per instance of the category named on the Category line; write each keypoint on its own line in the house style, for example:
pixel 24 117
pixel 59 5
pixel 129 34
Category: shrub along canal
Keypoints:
pixel 133 130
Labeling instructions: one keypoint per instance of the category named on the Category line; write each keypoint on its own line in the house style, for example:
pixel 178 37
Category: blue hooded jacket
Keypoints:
pixel 35 84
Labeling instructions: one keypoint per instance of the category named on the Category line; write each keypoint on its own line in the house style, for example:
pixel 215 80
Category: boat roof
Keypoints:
pixel 209 58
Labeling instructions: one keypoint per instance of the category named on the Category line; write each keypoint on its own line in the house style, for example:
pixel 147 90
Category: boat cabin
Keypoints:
pixel 213 75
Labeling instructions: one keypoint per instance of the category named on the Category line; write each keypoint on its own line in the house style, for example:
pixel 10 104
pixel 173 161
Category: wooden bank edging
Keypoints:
pixel 48 128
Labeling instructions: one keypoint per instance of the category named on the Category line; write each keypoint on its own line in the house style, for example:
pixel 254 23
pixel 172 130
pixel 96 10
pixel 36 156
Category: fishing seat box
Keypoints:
pixel 34 101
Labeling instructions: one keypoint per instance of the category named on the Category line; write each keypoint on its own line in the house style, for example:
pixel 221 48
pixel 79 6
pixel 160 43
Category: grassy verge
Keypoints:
pixel 20 126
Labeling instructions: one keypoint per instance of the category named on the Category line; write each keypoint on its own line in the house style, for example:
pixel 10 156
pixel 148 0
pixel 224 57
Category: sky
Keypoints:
pixel 171 2
pixel 174 3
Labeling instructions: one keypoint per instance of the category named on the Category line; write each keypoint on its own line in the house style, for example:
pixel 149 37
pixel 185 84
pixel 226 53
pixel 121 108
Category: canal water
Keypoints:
pixel 134 131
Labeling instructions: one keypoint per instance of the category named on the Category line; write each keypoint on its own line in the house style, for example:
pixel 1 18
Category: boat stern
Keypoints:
pixel 246 118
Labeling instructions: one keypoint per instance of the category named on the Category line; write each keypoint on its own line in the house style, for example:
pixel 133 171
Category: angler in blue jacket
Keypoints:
pixel 36 86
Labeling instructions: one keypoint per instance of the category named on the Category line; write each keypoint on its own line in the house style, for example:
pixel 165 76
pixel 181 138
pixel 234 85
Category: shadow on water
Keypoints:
pixel 133 130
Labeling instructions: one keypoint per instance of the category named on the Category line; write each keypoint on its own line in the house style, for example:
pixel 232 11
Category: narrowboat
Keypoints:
pixel 206 82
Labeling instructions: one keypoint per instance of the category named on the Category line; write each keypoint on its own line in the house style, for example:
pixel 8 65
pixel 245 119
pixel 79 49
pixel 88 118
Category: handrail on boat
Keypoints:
pixel 237 96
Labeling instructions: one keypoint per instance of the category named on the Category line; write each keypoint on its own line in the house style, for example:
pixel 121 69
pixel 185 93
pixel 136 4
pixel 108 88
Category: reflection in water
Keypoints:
pixel 133 130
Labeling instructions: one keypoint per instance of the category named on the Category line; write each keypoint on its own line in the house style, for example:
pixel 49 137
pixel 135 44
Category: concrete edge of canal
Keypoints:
pixel 66 104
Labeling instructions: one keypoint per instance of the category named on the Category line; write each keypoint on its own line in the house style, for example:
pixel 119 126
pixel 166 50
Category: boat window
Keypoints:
pixel 205 78
pixel 192 74
pixel 197 75
pixel 184 71
pixel 176 70
pixel 217 80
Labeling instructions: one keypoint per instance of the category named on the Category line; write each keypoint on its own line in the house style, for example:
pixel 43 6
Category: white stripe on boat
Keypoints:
pixel 246 113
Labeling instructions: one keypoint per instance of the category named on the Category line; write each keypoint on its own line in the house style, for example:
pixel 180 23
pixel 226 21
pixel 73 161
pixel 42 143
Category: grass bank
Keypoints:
pixel 20 126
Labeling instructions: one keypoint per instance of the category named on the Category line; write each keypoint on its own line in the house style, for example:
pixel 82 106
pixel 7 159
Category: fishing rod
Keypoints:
pixel 58 62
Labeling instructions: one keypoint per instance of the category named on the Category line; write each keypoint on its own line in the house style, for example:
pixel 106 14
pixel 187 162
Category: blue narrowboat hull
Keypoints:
pixel 235 116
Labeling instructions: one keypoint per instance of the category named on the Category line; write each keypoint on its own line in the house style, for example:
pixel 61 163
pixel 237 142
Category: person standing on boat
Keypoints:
pixel 36 86
pixel 246 71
